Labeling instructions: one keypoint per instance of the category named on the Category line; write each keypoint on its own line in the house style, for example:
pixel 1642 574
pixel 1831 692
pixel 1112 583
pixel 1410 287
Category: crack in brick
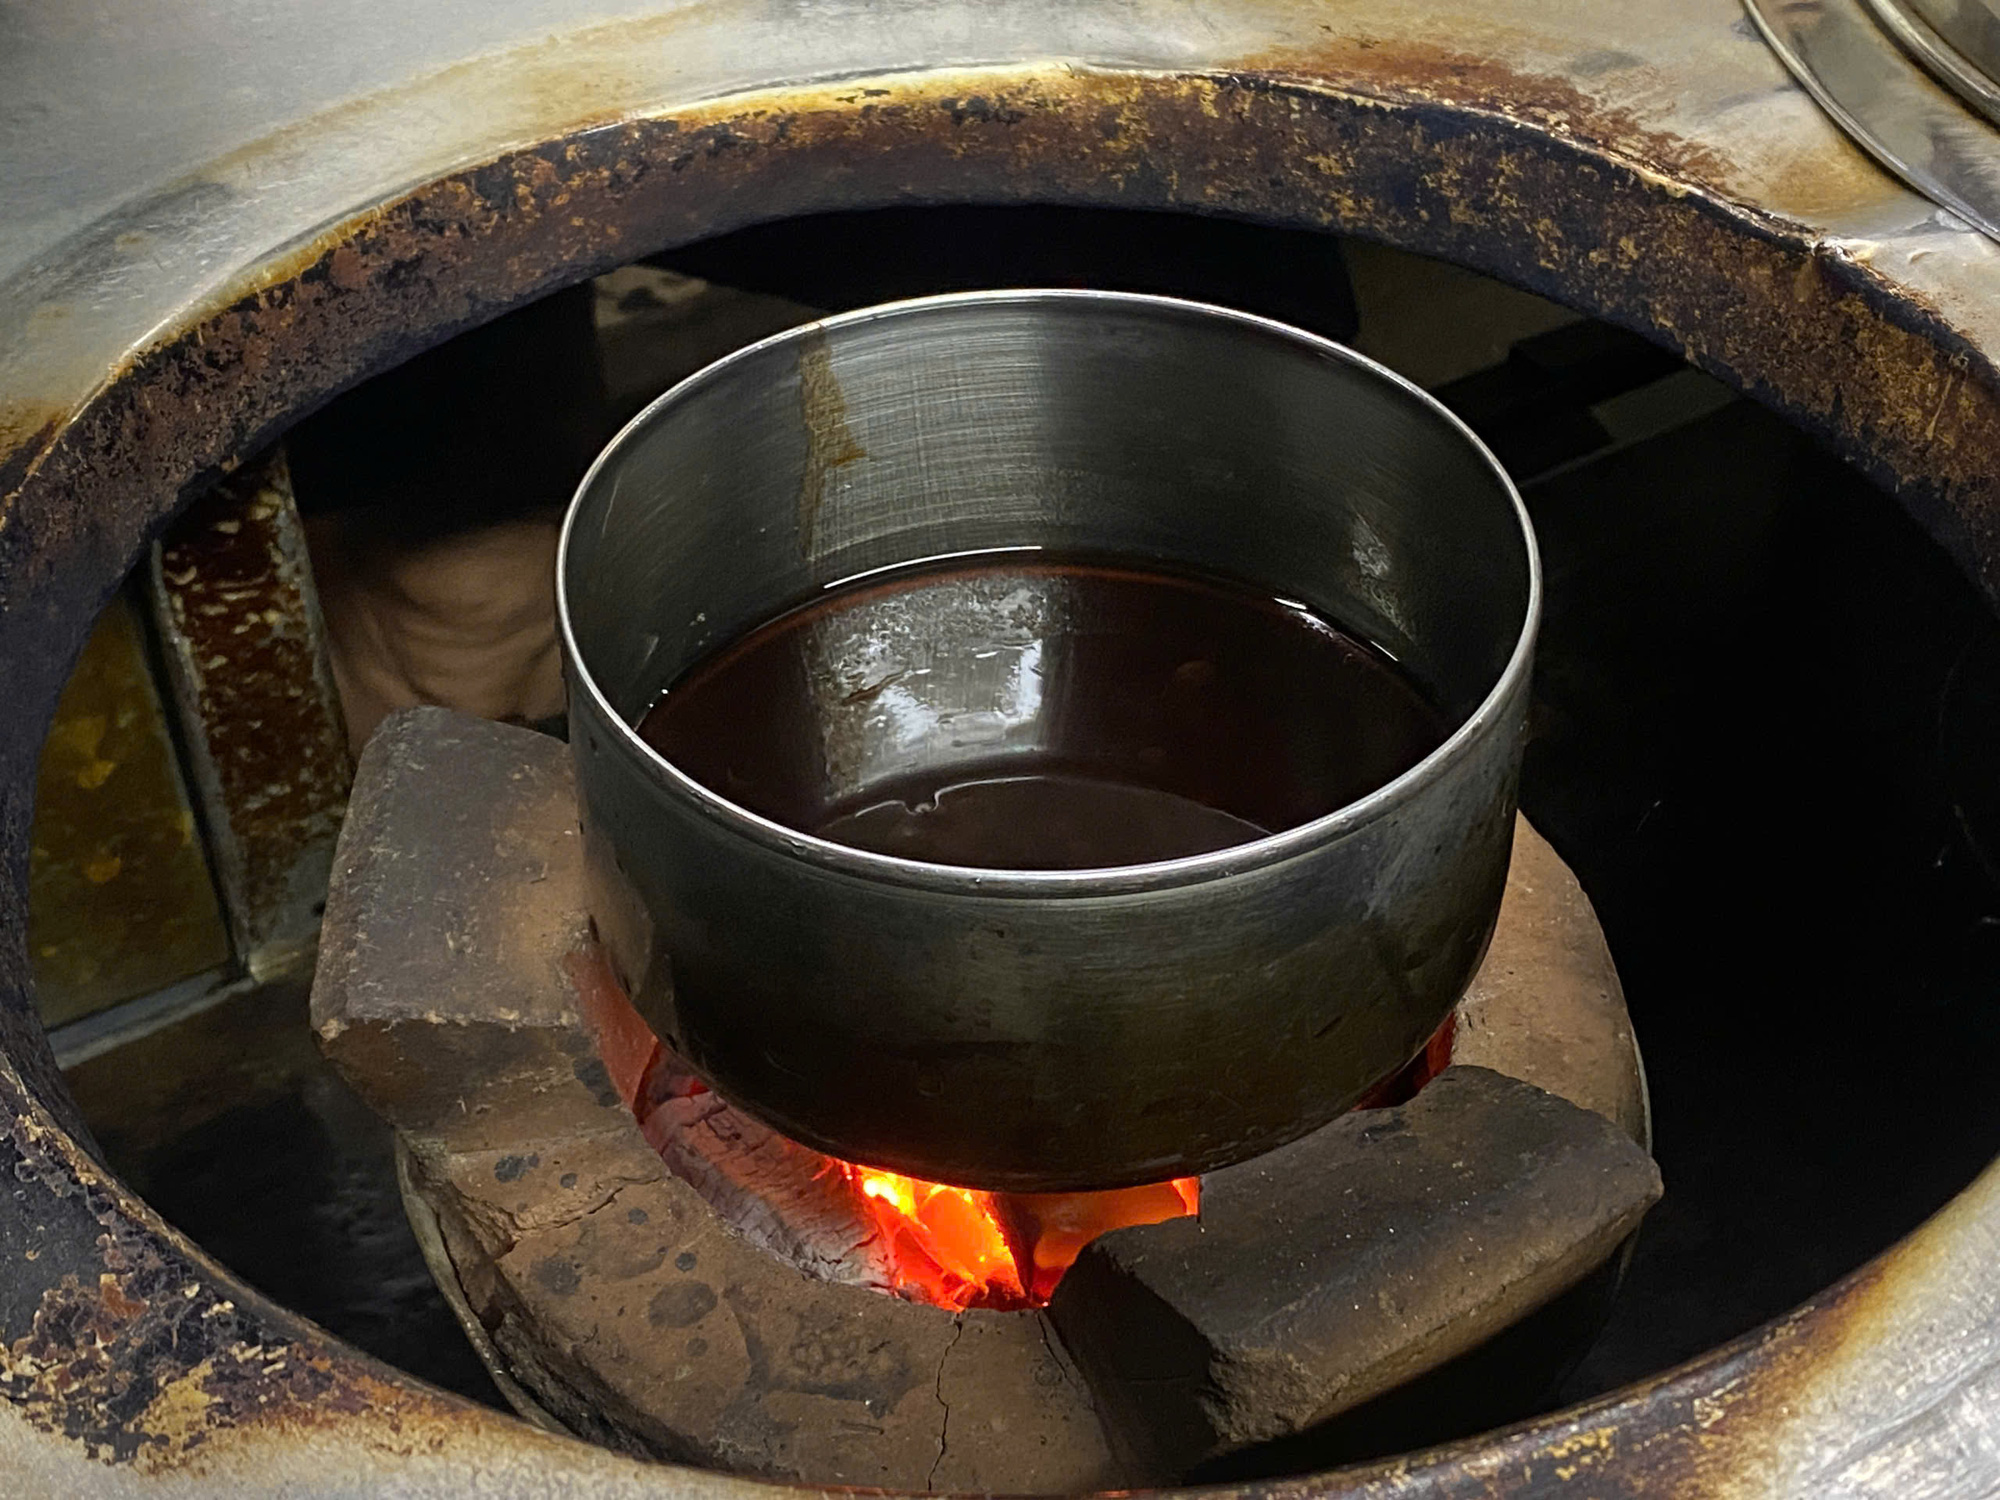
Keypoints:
pixel 944 1425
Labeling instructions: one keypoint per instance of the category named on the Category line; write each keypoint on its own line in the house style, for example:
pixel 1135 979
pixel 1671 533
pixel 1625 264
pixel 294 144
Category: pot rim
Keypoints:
pixel 973 880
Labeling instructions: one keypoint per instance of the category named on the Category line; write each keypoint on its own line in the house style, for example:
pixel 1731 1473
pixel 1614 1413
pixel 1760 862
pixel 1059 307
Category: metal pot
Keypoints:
pixel 1025 1030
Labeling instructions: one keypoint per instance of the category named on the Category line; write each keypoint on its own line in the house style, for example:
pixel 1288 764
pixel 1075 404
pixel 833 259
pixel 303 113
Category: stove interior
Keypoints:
pixel 1761 703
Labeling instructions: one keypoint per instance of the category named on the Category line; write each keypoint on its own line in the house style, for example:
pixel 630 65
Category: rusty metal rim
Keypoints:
pixel 120 1291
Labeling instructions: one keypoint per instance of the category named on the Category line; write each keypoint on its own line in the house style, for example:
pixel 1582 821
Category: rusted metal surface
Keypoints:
pixel 246 656
pixel 176 285
pixel 1885 1385
pixel 132 1367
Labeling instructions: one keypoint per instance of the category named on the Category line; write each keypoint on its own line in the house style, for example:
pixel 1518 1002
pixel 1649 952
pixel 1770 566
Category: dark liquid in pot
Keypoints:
pixel 1016 712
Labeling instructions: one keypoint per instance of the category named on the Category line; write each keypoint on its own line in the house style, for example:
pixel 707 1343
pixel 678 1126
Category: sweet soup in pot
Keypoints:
pixel 1026 712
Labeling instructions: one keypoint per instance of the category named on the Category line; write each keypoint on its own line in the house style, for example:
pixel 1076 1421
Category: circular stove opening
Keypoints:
pixel 1757 740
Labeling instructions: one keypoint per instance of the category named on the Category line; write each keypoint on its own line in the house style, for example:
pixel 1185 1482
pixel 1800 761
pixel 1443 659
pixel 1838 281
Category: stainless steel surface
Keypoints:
pixel 1041 1030
pixel 1904 118
pixel 220 211
pixel 1969 27
pixel 1907 24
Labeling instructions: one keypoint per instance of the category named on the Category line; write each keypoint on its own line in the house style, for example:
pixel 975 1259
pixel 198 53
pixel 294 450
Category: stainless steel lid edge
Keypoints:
pixel 1887 104
pixel 1913 31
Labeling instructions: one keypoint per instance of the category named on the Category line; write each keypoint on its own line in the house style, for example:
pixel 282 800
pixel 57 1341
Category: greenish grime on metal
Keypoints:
pixel 120 902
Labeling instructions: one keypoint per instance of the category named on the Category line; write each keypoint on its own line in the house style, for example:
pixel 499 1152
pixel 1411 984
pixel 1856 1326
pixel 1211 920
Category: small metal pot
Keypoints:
pixel 1042 1031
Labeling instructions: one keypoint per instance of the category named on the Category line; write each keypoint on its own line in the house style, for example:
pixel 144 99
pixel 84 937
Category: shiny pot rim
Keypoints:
pixel 1271 849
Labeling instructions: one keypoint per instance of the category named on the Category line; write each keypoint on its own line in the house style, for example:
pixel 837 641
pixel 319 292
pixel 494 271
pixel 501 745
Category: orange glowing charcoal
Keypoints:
pixel 964 1248
pixel 947 1240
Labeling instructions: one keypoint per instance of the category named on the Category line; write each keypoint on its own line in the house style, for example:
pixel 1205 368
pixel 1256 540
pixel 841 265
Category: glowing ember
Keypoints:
pixel 945 1240
pixel 959 1247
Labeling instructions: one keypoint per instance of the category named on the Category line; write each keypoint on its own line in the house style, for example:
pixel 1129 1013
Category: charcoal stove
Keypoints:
pixel 212 233
pixel 644 1264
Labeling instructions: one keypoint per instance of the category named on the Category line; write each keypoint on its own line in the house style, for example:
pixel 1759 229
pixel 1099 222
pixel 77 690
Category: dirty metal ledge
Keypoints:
pixel 1655 169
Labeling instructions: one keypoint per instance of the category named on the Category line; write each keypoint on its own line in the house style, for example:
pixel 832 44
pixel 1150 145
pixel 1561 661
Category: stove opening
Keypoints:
pixel 1740 631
